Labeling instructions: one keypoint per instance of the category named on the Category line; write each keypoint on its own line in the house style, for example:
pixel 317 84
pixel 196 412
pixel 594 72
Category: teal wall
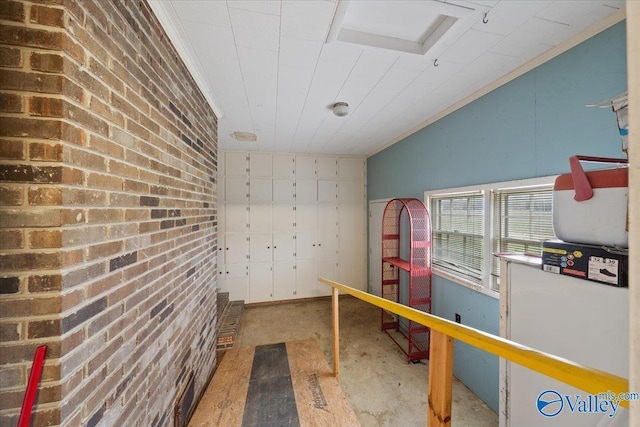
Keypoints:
pixel 526 128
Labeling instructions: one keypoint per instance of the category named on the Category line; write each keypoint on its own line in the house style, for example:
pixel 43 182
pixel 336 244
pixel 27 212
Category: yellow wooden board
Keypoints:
pixel 319 398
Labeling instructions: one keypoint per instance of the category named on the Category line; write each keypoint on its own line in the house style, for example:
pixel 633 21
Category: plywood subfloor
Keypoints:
pixel 253 387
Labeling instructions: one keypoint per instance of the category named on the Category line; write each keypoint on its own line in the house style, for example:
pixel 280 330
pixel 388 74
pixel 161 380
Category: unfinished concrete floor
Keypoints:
pixel 383 388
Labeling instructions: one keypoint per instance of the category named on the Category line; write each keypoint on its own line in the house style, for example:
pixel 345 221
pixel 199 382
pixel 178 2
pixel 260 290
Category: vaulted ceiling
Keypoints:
pixel 274 68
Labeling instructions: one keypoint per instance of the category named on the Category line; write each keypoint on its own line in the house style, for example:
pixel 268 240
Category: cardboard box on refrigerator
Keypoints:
pixel 590 262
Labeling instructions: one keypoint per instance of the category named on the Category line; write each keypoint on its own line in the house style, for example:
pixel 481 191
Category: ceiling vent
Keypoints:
pixel 405 26
pixel 244 136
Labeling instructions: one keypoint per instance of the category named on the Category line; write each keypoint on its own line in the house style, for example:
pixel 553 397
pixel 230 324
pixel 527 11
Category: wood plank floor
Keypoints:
pixel 287 384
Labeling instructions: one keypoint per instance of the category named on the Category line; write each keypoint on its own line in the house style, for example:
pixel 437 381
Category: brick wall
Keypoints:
pixel 108 210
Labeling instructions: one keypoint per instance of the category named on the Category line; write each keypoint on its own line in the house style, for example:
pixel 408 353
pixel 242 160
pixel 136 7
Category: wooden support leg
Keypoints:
pixel 336 332
pixel 440 380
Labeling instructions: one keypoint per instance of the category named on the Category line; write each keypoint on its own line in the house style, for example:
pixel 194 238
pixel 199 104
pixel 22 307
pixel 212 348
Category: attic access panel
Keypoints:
pixel 406 26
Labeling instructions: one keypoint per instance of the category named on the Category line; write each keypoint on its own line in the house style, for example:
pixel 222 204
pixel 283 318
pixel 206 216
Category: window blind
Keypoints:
pixel 458 230
pixel 522 221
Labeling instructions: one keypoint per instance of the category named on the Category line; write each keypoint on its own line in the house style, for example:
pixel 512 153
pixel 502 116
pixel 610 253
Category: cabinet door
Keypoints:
pixel 236 248
pixel 283 190
pixel 306 217
pixel 284 280
pixel 260 247
pixel 283 246
pixel 221 220
pixel 236 218
pixel 305 166
pixel 306 191
pixel 327 167
pixel 284 216
pixel 306 245
pixel 235 163
pixel 260 190
pixel 351 191
pixel 284 165
pixel 327 190
pixel 236 189
pixel 351 168
pixel 260 218
pixel 327 268
pixel 260 282
pixel 220 188
pixel 260 164
pixel 220 256
pixel 327 217
pixel 327 244
pixel 236 282
pixel 306 279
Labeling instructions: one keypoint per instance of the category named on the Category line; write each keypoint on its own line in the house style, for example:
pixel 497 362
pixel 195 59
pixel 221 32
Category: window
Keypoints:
pixel 470 224
pixel 458 233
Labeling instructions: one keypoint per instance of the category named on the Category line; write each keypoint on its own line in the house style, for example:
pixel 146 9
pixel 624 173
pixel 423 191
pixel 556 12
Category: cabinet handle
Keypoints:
pixel 314 245
pixel 268 247
pixel 274 246
pixel 319 244
pixel 227 248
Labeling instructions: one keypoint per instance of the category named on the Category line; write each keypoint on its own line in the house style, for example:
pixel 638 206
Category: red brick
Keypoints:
pixel 102 181
pixel 31 261
pixel 33 128
pixel 86 159
pixel 45 283
pixel 72 257
pixel 10 196
pixel 47 62
pixel 11 239
pixel 43 328
pixel 45 152
pixel 103 250
pixel 11 149
pixel 106 112
pixel 10 57
pixel 12 11
pixel 10 103
pixel 30 306
pixel 47 107
pixel 45 195
pixel 122 169
pixel 106 146
pixel 32 37
pixel 47 16
pixel 44 239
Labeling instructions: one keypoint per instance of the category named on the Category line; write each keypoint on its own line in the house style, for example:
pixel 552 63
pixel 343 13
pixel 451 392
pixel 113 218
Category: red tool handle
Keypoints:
pixel 583 188
pixel 32 386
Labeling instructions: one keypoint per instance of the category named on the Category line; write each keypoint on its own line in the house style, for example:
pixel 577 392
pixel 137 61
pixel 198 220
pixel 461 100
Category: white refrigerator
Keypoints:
pixel 583 321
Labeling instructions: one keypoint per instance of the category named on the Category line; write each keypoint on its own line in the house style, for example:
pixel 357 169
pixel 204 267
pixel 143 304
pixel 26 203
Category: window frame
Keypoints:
pixel 485 286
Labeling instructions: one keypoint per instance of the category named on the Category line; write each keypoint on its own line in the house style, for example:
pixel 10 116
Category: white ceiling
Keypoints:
pixel 269 67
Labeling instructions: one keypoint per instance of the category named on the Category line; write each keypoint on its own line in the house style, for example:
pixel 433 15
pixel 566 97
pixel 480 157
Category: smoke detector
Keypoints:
pixel 340 109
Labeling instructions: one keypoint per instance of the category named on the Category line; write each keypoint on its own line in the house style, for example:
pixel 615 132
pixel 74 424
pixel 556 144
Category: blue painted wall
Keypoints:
pixel 524 129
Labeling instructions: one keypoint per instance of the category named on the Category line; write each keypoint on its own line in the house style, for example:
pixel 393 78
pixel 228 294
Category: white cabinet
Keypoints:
pixel 284 165
pixel 260 218
pixel 283 190
pixel 236 249
pixel 236 163
pixel 260 164
pixel 236 218
pixel 327 167
pixel 284 278
pixel 260 190
pixel 306 217
pixel 260 247
pixel 351 168
pixel 351 192
pixel 305 166
pixel 236 189
pixel 327 190
pixel 306 278
pixel 284 219
pixel 306 191
pixel 236 281
pixel 260 282
pixel 327 216
pixel 283 246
